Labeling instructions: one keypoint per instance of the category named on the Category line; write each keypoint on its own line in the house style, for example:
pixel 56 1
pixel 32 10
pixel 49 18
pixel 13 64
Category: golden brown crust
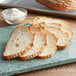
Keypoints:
pixel 17 54
pixel 22 51
pixel 62 47
pixel 63 6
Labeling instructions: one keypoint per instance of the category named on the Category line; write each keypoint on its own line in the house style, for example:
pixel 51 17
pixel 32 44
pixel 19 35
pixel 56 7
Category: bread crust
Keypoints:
pixel 19 53
pixel 62 47
pixel 63 6
pixel 33 55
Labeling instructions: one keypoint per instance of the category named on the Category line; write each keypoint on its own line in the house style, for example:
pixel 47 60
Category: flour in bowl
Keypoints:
pixel 15 15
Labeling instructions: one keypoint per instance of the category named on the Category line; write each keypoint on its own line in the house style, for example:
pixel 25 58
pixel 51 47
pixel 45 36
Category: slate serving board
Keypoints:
pixel 36 7
pixel 10 67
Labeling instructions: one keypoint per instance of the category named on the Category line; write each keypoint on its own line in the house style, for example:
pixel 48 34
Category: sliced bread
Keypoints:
pixel 51 46
pixel 38 45
pixel 63 40
pixel 20 41
pixel 65 29
pixel 40 19
pixel 63 37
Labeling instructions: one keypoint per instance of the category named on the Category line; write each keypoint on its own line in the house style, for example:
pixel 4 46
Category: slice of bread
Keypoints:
pixel 51 46
pixel 40 19
pixel 65 29
pixel 38 45
pixel 60 34
pixel 20 41
pixel 63 40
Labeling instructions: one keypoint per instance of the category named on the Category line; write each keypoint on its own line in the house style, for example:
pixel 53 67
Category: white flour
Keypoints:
pixel 14 13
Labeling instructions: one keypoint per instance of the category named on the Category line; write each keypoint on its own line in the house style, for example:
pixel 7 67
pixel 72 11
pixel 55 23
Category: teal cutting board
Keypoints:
pixel 15 66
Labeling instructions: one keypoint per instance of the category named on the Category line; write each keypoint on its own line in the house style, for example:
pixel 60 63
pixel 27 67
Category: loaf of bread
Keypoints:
pixel 20 41
pixel 63 5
